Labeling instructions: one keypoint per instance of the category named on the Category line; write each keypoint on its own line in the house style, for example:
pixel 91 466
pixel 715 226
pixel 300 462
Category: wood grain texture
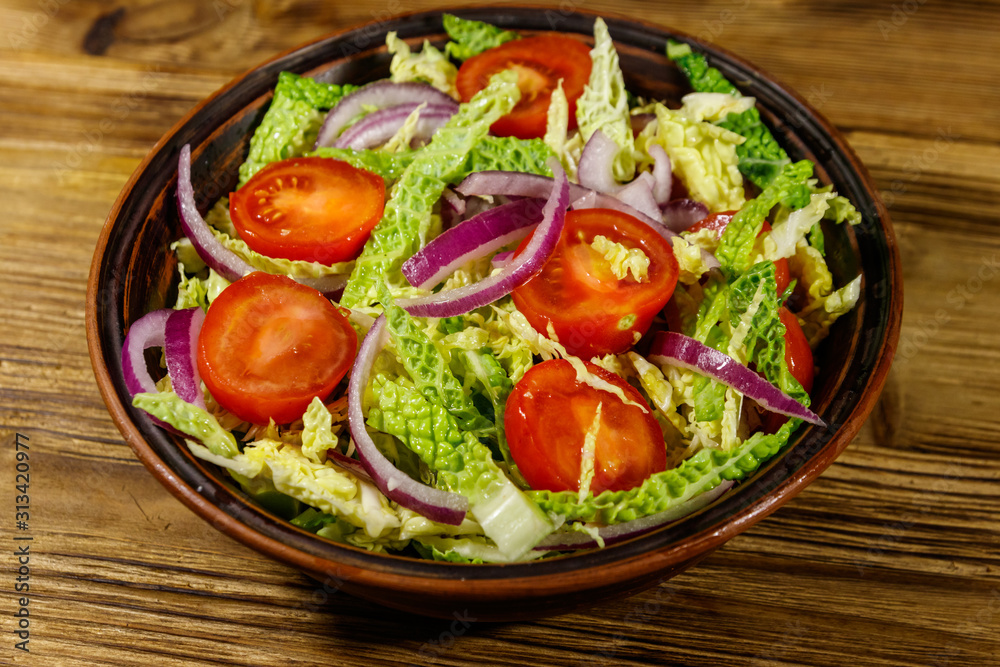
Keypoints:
pixel 890 558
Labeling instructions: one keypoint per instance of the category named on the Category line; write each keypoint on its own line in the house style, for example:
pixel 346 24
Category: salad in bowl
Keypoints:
pixel 496 307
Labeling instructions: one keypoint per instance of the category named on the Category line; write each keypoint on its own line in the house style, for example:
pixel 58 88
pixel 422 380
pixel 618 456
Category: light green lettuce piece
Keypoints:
pixel 713 107
pixel 188 419
pixel 659 390
pixel 470 549
pixel 557 130
pixel 292 120
pixel 186 254
pixel 622 261
pixel 470 38
pixel 790 187
pixel 428 65
pixel 222 227
pixel 691 260
pixel 808 264
pixel 422 425
pixel 407 219
pixel 791 227
pixel 604 103
pixel 317 432
pixel 293 268
pixel 401 140
pixel 325 486
pixel 703 157
pixel 417 525
pixel 429 369
pixel 817 317
pixel 194 291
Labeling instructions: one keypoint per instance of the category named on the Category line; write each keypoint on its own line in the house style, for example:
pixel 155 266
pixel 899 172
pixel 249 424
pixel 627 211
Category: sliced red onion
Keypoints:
pixel 513 183
pixel 218 258
pixel 573 540
pixel 348 463
pixel 663 175
pixel 455 202
pixel 441 506
pixel 679 350
pixel 146 332
pixel 379 126
pixel 472 239
pixel 680 214
pixel 463 299
pixel 639 195
pixel 502 259
pixel 180 347
pixel 381 94
pixel 596 168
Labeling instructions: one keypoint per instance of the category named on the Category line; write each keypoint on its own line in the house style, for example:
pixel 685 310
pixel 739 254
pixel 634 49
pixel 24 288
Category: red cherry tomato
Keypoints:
pixel 798 354
pixel 539 62
pixel 798 358
pixel 718 222
pixel 592 312
pixel 308 208
pixel 270 345
pixel 548 415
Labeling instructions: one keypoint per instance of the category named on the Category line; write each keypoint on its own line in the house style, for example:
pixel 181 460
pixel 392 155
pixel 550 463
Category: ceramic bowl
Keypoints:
pixel 133 272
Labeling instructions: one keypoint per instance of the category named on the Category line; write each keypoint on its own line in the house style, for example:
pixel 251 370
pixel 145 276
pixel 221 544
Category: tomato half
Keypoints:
pixel 548 415
pixel 718 222
pixel 270 345
pixel 592 312
pixel 539 62
pixel 308 208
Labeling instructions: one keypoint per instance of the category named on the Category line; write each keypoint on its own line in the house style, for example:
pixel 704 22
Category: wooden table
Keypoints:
pixel 890 558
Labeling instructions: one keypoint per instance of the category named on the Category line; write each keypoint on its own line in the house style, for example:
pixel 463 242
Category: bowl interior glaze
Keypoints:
pixel 133 272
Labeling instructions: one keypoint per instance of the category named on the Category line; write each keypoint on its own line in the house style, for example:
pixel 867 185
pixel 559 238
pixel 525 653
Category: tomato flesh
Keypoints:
pixel 270 345
pixel 539 63
pixel 309 208
pixel 591 311
pixel 718 222
pixel 549 414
